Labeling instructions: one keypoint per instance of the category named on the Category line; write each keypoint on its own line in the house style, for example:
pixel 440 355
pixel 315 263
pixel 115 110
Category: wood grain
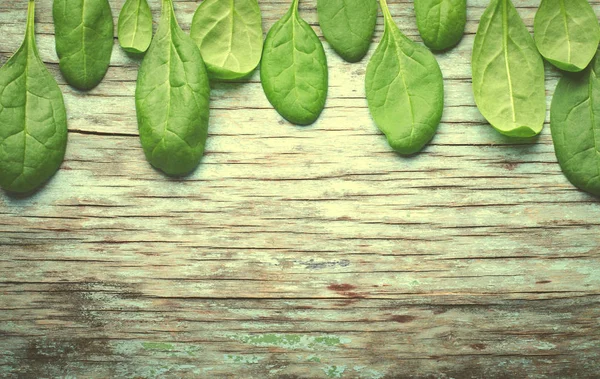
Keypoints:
pixel 296 252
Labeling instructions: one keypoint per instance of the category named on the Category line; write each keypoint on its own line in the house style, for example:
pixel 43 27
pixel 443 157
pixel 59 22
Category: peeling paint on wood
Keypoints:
pixel 297 252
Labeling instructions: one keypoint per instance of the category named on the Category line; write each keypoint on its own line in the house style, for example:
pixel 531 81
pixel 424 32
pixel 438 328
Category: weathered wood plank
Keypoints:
pixel 298 251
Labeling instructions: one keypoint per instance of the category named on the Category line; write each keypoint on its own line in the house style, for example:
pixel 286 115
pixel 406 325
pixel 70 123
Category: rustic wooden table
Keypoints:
pixel 298 252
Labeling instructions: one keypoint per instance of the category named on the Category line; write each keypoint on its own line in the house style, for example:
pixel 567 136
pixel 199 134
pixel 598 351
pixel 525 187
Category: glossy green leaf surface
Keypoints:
pixel 508 73
pixel 33 121
pixel 441 23
pixel 405 89
pixel 229 35
pixel 172 98
pixel 84 40
pixel 135 26
pixel 575 125
pixel 567 33
pixel 348 26
pixel 294 72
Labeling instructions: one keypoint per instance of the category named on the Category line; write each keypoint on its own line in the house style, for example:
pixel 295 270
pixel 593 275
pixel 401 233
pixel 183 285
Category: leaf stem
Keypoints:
pixel 295 6
pixel 167 10
pixel 30 31
pixel 386 12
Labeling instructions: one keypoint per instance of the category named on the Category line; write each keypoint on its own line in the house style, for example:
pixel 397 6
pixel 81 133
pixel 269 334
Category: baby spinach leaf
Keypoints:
pixel 171 99
pixel 229 35
pixel 405 89
pixel 567 33
pixel 508 73
pixel 575 125
pixel 348 26
pixel 294 69
pixel 84 40
pixel 441 23
pixel 135 26
pixel 33 121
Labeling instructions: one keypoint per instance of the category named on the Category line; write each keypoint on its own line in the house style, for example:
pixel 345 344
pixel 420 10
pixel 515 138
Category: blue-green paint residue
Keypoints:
pixel 334 371
pixel 313 358
pixel 293 341
pixel 366 373
pixel 192 350
pixel 157 346
pixel 242 359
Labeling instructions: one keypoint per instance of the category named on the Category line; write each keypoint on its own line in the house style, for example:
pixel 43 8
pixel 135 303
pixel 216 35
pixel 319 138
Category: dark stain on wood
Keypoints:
pixel 478 346
pixel 311 264
pixel 346 290
pixel 341 287
pixel 304 307
pixel 403 318
pixel 46 357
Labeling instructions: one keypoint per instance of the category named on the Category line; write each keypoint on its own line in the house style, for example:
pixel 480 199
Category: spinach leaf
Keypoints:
pixel 84 40
pixel 294 69
pixel 575 125
pixel 229 35
pixel 405 89
pixel 135 26
pixel 508 73
pixel 348 26
pixel 171 99
pixel 33 121
pixel 441 23
pixel 567 33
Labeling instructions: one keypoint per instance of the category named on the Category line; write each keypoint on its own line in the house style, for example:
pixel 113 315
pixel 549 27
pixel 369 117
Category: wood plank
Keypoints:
pixel 298 252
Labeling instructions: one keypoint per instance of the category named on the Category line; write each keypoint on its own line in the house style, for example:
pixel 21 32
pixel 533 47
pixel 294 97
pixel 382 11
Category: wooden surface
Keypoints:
pixel 298 252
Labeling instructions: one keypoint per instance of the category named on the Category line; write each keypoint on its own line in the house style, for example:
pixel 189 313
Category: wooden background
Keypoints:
pixel 298 252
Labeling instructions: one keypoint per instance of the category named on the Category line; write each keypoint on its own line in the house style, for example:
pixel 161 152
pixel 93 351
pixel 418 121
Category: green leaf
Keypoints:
pixel 441 23
pixel 567 33
pixel 33 121
pixel 229 35
pixel 575 125
pixel 172 98
pixel 294 69
pixel 84 40
pixel 508 73
pixel 405 89
pixel 348 26
pixel 135 26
